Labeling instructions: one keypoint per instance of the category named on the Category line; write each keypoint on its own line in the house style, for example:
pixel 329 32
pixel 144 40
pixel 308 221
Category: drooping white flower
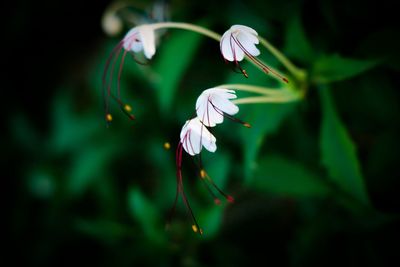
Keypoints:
pixel 239 41
pixel 141 38
pixel 195 135
pixel 213 103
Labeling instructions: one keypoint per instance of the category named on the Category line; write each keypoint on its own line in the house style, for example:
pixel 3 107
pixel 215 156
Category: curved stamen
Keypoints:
pixel 264 67
pixel 119 74
pixel 204 175
pixel 180 189
pixel 107 83
pixel 232 118
pixel 233 48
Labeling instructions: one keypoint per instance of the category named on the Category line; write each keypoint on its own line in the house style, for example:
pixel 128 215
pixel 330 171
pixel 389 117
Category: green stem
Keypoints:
pixel 265 99
pixel 254 89
pixel 298 73
pixel 295 71
pixel 187 26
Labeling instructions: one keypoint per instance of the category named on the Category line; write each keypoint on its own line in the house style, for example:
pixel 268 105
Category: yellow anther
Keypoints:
pixel 195 229
pixel 167 146
pixel 109 117
pixel 247 125
pixel 203 173
pixel 127 108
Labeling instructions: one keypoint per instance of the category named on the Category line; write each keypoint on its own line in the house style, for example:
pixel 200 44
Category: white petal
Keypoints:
pixel 193 143
pixel 209 142
pixel 206 112
pixel 224 105
pixel 212 103
pixel 226 46
pixel 244 29
pixel 132 41
pixel 214 116
pixel 248 44
pixel 194 135
pixel 190 139
pixel 148 40
pixel 253 38
pixel 228 94
pixel 230 49
pixel 136 47
pixel 209 115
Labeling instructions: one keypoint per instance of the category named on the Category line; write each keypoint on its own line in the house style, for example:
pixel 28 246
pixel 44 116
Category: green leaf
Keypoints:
pixel 211 220
pixel 264 120
pixel 282 176
pixel 338 152
pixel 71 130
pixel 104 230
pixel 297 45
pixel 146 214
pixel 334 68
pixel 174 58
pixel 88 166
pixel 217 167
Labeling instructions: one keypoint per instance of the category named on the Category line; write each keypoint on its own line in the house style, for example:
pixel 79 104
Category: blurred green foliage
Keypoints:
pixel 314 182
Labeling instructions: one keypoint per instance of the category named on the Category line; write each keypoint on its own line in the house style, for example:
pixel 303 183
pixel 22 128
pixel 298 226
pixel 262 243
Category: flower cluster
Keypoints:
pixel 236 43
pixel 212 106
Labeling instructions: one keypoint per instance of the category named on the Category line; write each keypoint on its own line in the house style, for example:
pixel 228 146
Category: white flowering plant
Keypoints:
pixel 279 83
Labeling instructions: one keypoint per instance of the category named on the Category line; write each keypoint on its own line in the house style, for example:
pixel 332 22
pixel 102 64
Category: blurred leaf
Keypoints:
pixel 211 220
pixel 146 214
pixel 297 45
pixel 24 133
pixel 279 175
pixel 264 120
pixel 176 55
pixel 106 231
pixel 70 130
pixel 89 165
pixel 334 68
pixel 217 167
pixel 41 183
pixel 338 152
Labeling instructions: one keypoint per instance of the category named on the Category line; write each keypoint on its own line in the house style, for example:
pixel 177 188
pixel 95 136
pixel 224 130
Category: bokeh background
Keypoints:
pixel 315 182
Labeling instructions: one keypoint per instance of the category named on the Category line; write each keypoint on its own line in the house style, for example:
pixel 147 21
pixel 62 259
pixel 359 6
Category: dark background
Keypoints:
pixel 52 109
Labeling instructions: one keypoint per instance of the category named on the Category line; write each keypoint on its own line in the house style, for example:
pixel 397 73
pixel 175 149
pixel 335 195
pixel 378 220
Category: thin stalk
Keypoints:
pixel 295 71
pixel 254 89
pixel 187 26
pixel 265 99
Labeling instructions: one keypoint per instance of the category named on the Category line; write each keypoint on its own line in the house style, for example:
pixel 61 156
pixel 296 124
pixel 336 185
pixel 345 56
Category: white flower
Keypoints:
pixel 141 38
pixel 213 103
pixel 239 41
pixel 195 135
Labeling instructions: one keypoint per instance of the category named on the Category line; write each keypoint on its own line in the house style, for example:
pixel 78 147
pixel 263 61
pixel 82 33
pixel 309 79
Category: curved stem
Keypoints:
pixel 187 26
pixel 298 73
pixel 254 89
pixel 265 99
pixel 295 71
